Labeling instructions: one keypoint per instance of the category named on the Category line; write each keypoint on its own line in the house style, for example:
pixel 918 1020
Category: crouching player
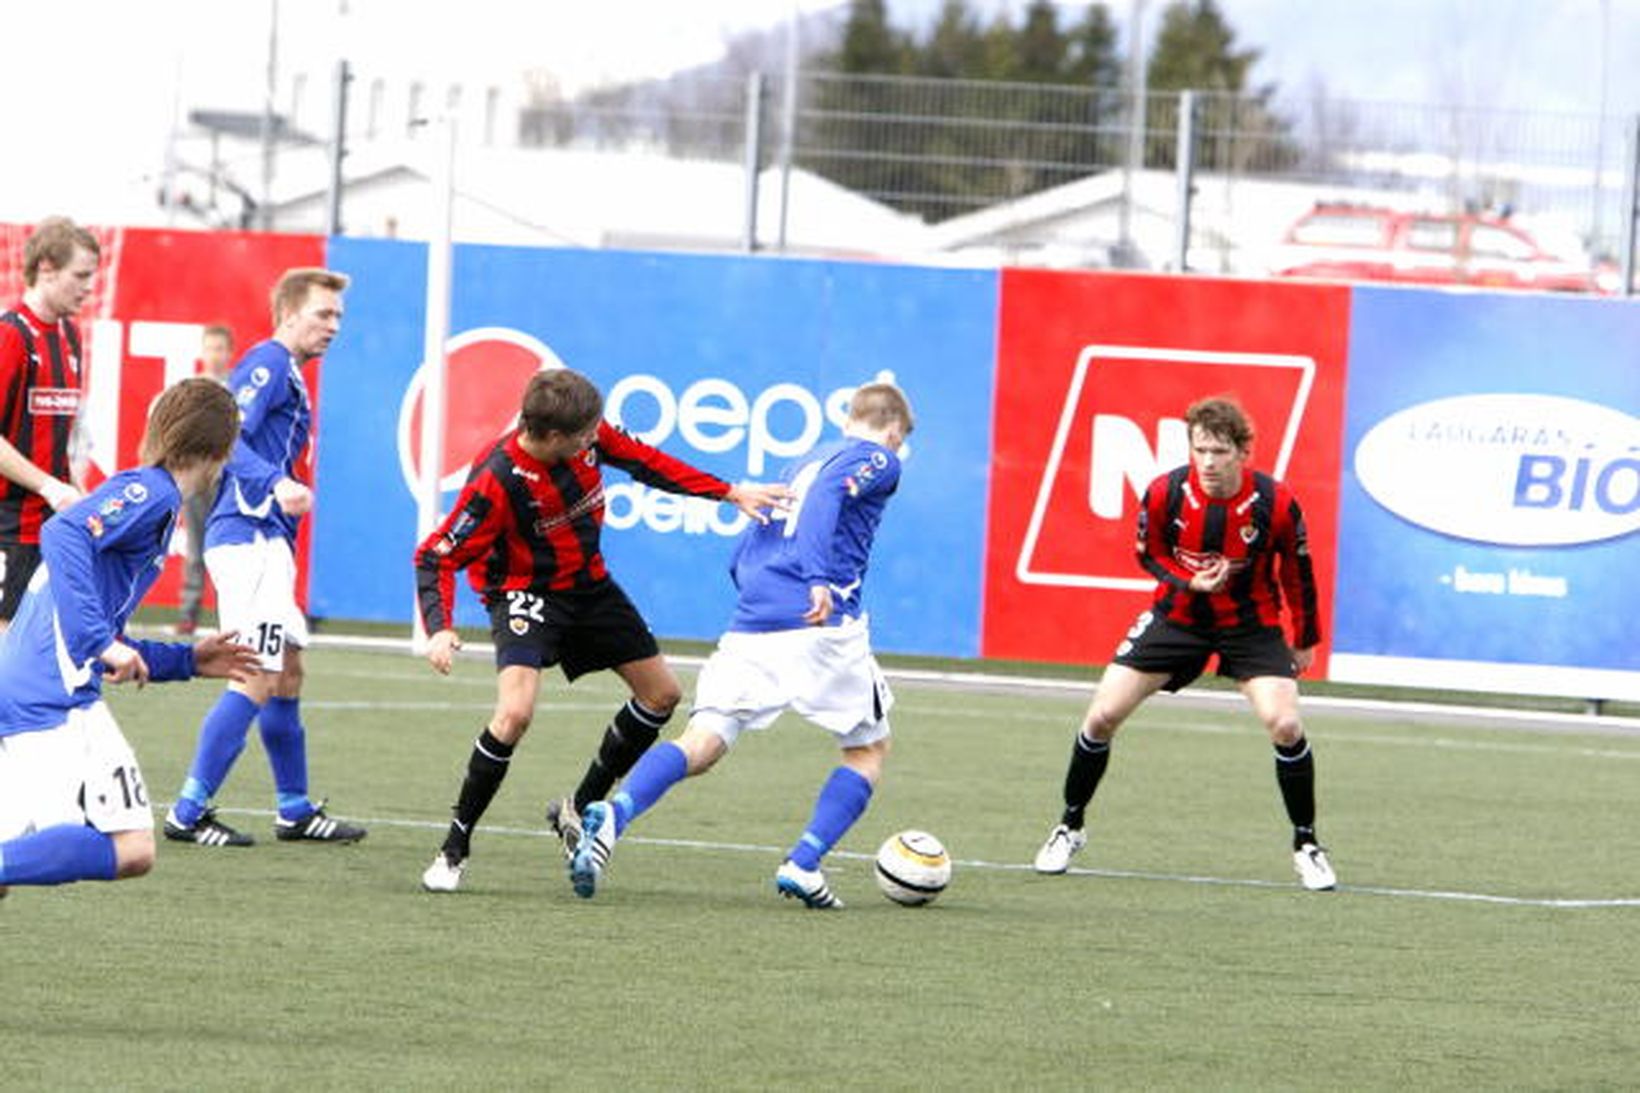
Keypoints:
pixel 72 800
pixel 798 640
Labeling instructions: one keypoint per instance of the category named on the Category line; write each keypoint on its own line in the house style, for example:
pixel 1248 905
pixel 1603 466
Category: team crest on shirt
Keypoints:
pixel 1248 534
pixel 519 626
pixel 136 493
pixel 109 514
pixel 260 376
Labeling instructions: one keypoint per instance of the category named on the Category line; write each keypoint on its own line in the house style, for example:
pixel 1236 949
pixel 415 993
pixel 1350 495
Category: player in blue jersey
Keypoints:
pixel 798 640
pixel 250 551
pixel 72 801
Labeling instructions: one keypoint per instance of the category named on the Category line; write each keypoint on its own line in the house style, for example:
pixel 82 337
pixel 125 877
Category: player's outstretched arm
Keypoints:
pixel 758 499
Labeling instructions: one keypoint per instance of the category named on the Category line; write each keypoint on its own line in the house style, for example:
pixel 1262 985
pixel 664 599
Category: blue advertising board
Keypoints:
pixel 1489 520
pixel 733 364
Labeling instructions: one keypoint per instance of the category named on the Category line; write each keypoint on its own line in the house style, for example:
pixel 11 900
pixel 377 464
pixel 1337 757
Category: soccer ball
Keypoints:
pixel 912 868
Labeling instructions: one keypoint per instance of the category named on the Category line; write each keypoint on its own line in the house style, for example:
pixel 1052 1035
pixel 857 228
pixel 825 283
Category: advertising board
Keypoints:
pixel 1094 374
pixel 1490 515
pixel 735 365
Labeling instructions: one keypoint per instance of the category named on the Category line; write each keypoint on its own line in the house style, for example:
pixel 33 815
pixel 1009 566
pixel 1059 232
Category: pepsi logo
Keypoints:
pixel 485 372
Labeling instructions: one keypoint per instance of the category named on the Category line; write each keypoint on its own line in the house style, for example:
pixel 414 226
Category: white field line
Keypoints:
pixel 1083 689
pixel 1484 898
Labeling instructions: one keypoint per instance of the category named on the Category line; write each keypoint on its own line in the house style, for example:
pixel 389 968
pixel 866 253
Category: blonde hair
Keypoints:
pixel 54 241
pixel 880 404
pixel 193 421
pixel 292 290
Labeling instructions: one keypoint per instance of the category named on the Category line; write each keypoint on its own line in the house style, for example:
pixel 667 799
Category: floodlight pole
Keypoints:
pixel 435 334
pixel 265 212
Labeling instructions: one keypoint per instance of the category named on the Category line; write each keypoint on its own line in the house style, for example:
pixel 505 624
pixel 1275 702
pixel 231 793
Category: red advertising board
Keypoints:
pixel 1094 372
pixel 159 289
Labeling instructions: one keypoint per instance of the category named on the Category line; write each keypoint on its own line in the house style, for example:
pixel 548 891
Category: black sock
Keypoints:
pixel 486 767
pixel 627 736
pixel 1295 774
pixel 1088 761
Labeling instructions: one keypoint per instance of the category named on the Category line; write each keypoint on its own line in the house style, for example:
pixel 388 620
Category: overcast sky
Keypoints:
pixel 97 82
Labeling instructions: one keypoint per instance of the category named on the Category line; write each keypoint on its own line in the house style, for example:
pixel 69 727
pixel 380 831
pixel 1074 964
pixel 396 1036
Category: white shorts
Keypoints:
pixel 256 596
pixel 825 673
pixel 82 772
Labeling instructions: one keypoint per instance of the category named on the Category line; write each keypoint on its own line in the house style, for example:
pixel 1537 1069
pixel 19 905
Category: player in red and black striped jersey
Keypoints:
pixel 1229 551
pixel 526 528
pixel 40 395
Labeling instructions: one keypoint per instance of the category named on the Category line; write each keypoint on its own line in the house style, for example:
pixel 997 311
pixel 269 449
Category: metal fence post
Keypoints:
pixel 338 152
pixel 1184 175
pixel 1631 205
pixel 754 156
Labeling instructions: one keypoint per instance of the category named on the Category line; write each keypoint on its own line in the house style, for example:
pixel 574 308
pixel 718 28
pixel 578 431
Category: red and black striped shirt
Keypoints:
pixel 39 400
pixel 1260 530
pixel 523 524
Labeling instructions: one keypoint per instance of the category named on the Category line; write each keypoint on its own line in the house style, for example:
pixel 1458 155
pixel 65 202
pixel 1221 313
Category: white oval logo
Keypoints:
pixel 1514 470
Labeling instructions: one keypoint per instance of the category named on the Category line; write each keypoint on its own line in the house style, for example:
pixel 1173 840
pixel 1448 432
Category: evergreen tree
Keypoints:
pixel 1195 50
pixel 863 141
pixel 956 48
pixel 1091 59
pixel 1040 46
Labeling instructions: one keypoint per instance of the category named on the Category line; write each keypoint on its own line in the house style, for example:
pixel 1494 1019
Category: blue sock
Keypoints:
pixel 285 741
pixel 842 799
pixel 57 855
pixel 221 739
pixel 661 767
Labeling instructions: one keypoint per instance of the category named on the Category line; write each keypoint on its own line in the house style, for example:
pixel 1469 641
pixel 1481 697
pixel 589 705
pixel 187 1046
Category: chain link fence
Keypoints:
pixel 1085 176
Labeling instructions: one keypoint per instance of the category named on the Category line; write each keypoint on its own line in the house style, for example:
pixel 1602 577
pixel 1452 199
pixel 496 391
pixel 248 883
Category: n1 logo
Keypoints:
pixel 1120 425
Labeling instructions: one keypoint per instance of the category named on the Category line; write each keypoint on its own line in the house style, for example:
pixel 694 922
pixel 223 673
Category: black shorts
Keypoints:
pixel 1157 645
pixel 582 630
pixel 18 561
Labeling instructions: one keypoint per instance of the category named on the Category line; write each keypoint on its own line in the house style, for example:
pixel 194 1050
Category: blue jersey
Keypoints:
pixel 98 557
pixel 275 418
pixel 824 538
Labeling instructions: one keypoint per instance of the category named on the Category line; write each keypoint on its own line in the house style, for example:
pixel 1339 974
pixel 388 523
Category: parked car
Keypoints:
pixel 1369 243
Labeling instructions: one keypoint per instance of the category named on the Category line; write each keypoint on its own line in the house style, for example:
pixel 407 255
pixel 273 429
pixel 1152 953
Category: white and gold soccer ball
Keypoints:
pixel 912 868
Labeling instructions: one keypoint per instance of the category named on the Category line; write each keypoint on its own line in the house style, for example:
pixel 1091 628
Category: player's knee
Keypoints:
pixel 1100 724
pixel 868 761
pixel 133 854
pixel 1285 729
pixel 662 699
pixel 509 725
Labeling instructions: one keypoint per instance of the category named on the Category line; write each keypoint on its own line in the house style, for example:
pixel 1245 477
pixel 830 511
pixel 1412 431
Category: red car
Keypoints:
pixel 1369 243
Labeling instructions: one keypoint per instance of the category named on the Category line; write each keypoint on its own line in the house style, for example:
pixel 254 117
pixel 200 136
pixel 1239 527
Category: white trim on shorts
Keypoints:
pixel 256 596
pixel 42 774
pixel 825 673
